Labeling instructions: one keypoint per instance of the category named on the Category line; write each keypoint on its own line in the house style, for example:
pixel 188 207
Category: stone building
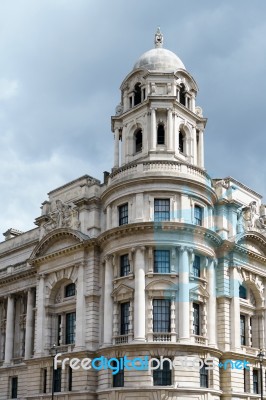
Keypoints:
pixel 159 260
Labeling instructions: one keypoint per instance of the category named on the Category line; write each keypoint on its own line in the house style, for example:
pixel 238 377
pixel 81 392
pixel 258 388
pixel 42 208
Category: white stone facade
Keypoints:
pixel 158 260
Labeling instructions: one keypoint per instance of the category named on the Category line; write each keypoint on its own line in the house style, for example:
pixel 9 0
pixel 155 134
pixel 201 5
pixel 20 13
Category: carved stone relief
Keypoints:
pixel 65 216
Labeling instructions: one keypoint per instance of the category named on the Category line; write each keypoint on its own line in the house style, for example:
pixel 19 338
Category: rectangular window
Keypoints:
pixel 198 213
pixel 123 214
pixel 161 315
pixel 196 319
pixel 204 378
pixel 161 260
pixel 118 379
pixel 69 379
pixel 196 266
pixel 44 380
pixel 242 330
pixel 57 379
pixel 70 328
pixel 70 290
pixel 59 326
pixel 161 210
pixel 162 377
pixel 124 265
pixel 14 387
pixel 124 327
pixel 255 381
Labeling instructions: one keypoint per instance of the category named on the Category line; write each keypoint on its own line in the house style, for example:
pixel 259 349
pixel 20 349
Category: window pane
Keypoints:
pixel 242 292
pixel 242 330
pixel 204 377
pixel 161 261
pixel 70 290
pixel 162 377
pixel 70 327
pixel 124 329
pixel 161 210
pixel 124 265
pixel 57 380
pixel 123 214
pixel 14 387
pixel 196 319
pixel 118 379
pixel 196 266
pixel 255 381
pixel 161 315
pixel 198 215
pixel 160 134
pixel 138 141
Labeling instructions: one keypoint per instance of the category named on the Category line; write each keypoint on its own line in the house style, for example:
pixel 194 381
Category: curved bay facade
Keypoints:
pixel 160 261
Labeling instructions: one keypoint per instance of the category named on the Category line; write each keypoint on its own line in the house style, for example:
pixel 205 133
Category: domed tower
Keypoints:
pixel 158 243
pixel 157 118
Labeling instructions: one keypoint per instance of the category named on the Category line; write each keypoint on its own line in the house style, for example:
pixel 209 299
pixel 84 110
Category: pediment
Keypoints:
pixel 56 241
pixel 162 284
pixel 254 242
pixel 122 292
pixel 198 293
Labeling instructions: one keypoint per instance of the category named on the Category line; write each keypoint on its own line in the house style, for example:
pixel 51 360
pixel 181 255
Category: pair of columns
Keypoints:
pixel 10 322
pixel 139 299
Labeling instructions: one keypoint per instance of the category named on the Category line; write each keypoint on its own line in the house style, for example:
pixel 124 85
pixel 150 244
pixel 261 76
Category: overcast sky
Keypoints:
pixel 62 62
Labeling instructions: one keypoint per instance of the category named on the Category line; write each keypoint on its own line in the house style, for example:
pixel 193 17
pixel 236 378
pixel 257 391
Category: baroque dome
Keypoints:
pixel 159 59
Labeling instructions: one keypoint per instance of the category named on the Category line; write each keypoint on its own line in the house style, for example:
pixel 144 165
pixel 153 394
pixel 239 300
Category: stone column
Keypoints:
pixel 108 217
pixel 177 123
pixel 9 329
pixel 80 309
pixel 212 304
pixel 139 300
pixel 184 296
pixel 201 150
pixel 123 149
pixel 169 142
pixel 235 309
pixel 29 324
pixel 40 323
pixel 116 150
pixel 153 129
pixel 108 302
pixel 194 134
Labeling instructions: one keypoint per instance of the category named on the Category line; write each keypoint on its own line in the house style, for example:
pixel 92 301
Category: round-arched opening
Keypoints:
pixel 138 141
pixel 160 134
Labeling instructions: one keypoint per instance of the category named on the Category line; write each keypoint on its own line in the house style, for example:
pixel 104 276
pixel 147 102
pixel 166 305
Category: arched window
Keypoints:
pixel 242 292
pixel 182 98
pixel 160 134
pixel 137 94
pixel 138 141
pixel 70 290
pixel 181 142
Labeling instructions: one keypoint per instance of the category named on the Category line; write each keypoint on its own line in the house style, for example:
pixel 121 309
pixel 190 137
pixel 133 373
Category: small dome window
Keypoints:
pixel 182 98
pixel 181 142
pixel 138 140
pixel 160 134
pixel 137 94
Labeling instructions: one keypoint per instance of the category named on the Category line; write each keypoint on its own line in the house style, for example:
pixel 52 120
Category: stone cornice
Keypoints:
pixel 16 276
pixel 64 251
pixel 142 227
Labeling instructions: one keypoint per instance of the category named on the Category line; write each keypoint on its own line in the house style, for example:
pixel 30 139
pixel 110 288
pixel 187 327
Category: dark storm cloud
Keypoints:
pixel 62 63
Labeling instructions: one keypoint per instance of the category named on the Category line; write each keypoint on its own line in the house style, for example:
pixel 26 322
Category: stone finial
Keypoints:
pixel 158 40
